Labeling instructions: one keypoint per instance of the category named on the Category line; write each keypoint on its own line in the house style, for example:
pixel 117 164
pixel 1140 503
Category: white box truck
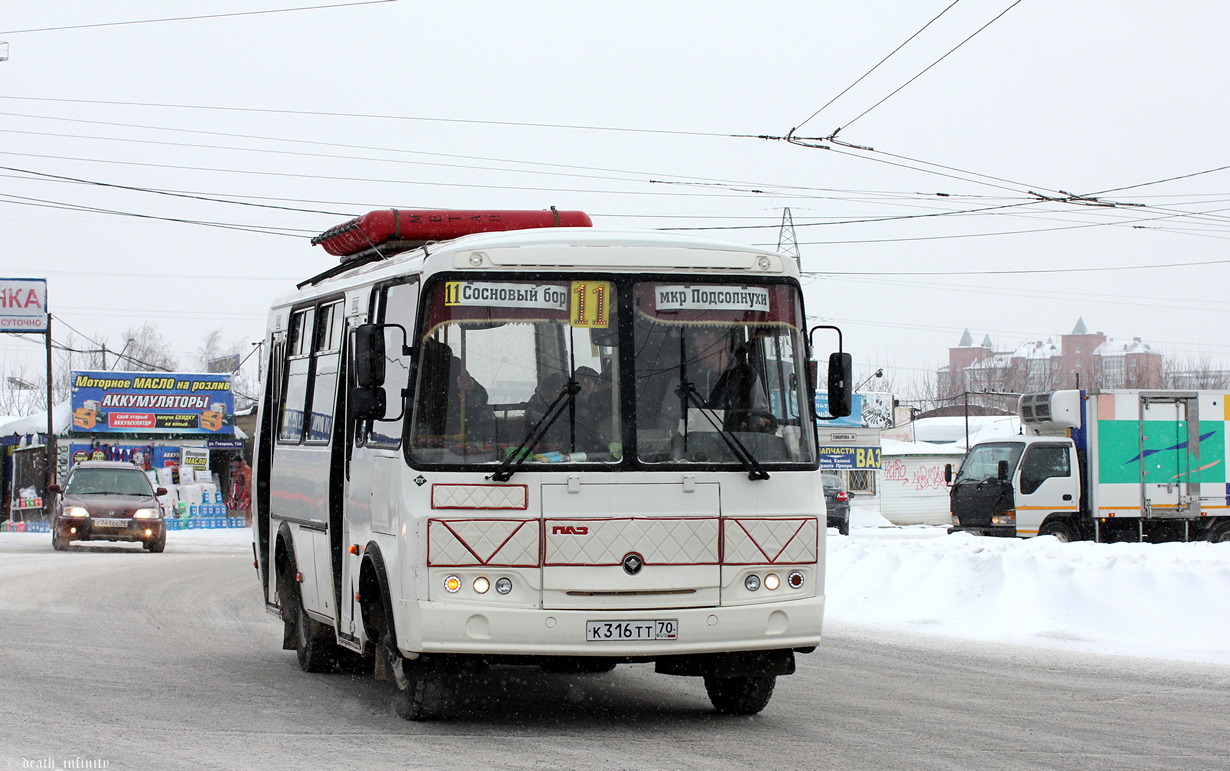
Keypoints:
pixel 1116 465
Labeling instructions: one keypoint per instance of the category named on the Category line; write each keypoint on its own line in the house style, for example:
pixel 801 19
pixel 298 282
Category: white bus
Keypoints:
pixel 486 440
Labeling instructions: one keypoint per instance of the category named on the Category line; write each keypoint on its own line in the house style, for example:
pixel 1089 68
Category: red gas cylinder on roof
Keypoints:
pixel 408 228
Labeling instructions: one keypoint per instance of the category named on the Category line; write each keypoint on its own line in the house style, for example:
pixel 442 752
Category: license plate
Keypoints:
pixel 615 631
pixel 111 522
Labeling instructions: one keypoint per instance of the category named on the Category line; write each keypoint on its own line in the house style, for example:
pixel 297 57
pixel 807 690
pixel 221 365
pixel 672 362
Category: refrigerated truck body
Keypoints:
pixel 1115 465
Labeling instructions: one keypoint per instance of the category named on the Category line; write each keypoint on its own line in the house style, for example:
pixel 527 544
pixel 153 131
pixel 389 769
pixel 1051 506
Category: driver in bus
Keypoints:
pixel 724 379
pixel 454 404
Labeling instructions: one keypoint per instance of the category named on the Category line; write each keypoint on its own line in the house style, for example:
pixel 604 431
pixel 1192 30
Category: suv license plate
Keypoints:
pixel 614 631
pixel 111 522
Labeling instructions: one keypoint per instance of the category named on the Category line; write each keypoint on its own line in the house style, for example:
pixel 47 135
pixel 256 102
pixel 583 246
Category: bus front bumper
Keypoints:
pixel 440 628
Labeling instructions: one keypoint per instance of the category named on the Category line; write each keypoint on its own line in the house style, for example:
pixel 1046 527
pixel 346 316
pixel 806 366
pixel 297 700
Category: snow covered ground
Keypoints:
pixel 1169 601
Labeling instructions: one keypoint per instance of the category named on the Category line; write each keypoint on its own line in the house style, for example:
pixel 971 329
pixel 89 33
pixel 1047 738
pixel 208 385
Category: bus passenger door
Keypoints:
pixel 371 501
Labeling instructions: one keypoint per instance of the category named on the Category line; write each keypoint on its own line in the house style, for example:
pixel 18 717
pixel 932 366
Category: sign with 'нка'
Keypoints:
pixel 23 305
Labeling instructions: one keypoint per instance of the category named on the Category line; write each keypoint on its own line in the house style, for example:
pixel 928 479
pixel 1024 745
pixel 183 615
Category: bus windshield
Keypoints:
pixel 530 370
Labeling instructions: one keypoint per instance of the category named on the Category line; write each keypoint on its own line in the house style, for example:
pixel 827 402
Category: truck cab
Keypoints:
pixel 1010 487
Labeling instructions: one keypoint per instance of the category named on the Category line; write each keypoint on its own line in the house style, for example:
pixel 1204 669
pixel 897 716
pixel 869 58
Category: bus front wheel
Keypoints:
pixel 417 696
pixel 740 695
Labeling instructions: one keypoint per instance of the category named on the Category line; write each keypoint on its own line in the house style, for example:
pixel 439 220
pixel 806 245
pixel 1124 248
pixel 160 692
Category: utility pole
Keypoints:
pixel 787 244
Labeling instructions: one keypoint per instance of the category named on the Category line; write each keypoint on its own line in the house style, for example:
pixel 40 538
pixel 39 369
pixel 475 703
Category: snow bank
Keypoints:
pixel 1157 600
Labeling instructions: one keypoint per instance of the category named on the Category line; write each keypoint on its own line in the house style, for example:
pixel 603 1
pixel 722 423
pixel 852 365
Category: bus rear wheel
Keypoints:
pixel 313 649
pixel 740 695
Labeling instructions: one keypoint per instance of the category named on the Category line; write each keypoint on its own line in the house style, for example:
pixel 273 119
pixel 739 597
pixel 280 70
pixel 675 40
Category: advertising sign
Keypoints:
pixel 195 458
pixel 849 458
pixel 855 418
pixel 152 403
pixel 23 305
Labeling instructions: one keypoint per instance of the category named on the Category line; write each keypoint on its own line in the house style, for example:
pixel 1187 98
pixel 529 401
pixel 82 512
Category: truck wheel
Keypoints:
pixel 1219 534
pixel 740 695
pixel 1060 529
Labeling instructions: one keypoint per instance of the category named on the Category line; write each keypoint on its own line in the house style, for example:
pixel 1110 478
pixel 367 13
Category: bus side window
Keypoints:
pixel 298 360
pixel 326 358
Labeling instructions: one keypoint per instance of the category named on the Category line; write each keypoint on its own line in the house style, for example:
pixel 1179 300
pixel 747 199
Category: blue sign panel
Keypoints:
pixel 152 403
pixel 854 419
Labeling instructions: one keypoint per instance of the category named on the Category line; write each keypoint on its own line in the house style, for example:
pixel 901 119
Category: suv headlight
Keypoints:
pixel 75 511
pixel 145 514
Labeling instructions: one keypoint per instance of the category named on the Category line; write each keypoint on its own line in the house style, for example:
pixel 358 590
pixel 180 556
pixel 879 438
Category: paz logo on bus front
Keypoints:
pixel 569 530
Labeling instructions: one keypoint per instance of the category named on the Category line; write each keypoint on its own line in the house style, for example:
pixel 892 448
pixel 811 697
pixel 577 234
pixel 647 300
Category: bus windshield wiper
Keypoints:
pixel 512 462
pixel 687 394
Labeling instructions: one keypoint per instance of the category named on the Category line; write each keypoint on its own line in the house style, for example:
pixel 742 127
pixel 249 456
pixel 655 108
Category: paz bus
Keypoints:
pixel 509 438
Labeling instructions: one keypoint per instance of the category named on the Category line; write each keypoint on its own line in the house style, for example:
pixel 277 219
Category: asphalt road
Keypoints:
pixel 126 660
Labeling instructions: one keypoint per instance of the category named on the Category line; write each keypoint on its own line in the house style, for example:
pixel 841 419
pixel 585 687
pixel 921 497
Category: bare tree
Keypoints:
pixel 1195 373
pixel 215 354
pixel 145 350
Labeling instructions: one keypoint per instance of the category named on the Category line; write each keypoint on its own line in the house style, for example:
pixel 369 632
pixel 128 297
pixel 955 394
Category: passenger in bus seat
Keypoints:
pixel 594 431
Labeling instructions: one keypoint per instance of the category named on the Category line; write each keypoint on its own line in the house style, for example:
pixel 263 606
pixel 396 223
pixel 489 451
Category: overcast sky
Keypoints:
pixel 647 115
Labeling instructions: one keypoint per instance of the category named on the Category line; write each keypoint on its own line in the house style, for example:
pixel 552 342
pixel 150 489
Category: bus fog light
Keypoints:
pixel 452 584
pixel 503 585
pixel 481 585
pixel 795 580
pixel 751 583
pixel 771 581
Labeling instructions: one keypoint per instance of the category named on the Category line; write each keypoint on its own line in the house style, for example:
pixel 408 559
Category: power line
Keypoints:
pixel 45 204
pixel 193 18
pixel 153 191
pixel 376 180
pixel 1160 181
pixel 319 114
pixel 348 146
pixel 873 69
pixel 937 61
pixel 1022 271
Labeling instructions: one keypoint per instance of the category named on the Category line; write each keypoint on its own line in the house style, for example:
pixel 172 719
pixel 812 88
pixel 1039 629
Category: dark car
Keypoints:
pixel 837 501
pixel 108 501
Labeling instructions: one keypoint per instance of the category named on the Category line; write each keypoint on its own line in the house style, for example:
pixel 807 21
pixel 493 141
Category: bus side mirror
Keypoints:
pixel 1002 469
pixel 369 356
pixel 947 473
pixel 367 403
pixel 841 396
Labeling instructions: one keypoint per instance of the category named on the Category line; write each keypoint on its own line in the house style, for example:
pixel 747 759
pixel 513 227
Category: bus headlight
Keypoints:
pixel 795 580
pixel 751 583
pixel 481 585
pixel 503 585
pixel 771 581
pixel 452 584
